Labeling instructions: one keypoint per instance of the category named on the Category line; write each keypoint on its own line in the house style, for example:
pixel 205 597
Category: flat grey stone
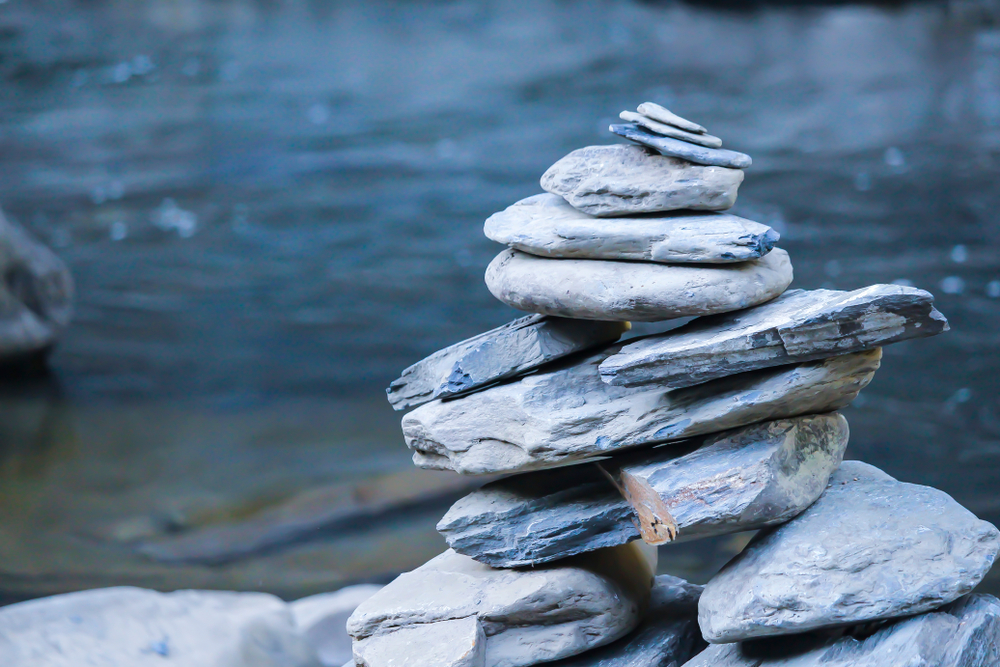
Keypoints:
pixel 569 414
pixel 657 112
pixel 623 179
pixel 715 157
pixel 547 226
pixel 527 616
pixel 36 295
pixel 322 620
pixel 668 634
pixel 514 348
pixel 670 131
pixel 800 325
pixel 965 633
pixel 754 476
pixel 132 627
pixel 871 548
pixel 458 643
pixel 592 289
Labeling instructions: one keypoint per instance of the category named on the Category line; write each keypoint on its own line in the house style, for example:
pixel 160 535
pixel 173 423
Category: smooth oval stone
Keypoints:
pixel 624 179
pixel 664 115
pixel 547 226
pixel 670 131
pixel 871 548
pixel 588 289
pixel 716 157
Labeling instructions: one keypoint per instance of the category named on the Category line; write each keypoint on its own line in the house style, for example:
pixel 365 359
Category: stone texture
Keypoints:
pixel 569 414
pixel 528 616
pixel 458 643
pixel 800 325
pixel 547 226
pixel 132 627
pixel 626 180
pixel 714 157
pixel 36 295
pixel 322 619
pixel 668 635
pixel 758 475
pixel 965 633
pixel 590 289
pixel 509 350
pixel 670 131
pixel 871 548
pixel 664 115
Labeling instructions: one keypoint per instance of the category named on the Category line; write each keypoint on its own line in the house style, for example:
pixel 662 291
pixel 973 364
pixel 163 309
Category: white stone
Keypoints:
pixel 664 115
pixel 322 619
pixel 458 643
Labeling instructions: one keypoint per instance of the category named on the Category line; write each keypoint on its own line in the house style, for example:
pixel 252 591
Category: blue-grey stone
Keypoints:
pixel 713 157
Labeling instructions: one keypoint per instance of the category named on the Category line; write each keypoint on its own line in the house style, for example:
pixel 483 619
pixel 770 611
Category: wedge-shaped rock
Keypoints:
pixel 514 348
pixel 668 634
pixel 715 157
pixel 755 476
pixel 965 633
pixel 871 548
pixel 625 180
pixel 547 226
pixel 569 414
pixel 589 289
pixel 800 325
pixel 458 643
pixel 664 115
pixel 527 616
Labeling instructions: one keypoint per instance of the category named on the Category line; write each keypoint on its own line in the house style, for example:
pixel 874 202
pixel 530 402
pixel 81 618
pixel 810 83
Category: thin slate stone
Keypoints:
pixel 871 548
pixel 800 325
pixel 512 349
pixel 714 157
pixel 745 479
pixel 568 414
pixel 670 131
pixel 965 633
pixel 657 112
pixel 591 289
pixel 547 226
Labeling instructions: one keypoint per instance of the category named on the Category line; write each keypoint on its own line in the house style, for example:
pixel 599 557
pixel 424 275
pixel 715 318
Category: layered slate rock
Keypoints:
pixel 755 476
pixel 800 325
pixel 458 643
pixel 716 157
pixel 871 548
pixel 36 295
pixel 527 616
pixel 668 634
pixel 965 633
pixel 633 291
pixel 547 226
pixel 658 113
pixel 322 619
pixel 514 348
pixel 569 414
pixel 626 180
pixel 670 131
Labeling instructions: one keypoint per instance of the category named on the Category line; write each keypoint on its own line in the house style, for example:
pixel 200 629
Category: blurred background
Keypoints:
pixel 271 207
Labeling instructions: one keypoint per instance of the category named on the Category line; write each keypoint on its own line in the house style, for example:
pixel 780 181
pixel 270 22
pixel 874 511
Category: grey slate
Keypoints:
pixel 871 548
pixel 745 479
pixel 666 130
pixel 713 157
pixel 965 633
pixel 514 348
pixel 800 325
pixel 664 115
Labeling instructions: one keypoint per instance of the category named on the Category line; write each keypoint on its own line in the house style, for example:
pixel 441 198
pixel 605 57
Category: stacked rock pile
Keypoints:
pixel 727 423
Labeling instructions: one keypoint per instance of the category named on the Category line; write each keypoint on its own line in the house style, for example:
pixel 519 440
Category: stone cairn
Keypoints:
pixel 727 423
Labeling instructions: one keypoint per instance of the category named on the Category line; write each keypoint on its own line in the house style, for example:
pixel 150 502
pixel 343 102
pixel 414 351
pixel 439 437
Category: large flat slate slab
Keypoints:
pixel 569 414
pixel 871 548
pixel 527 616
pixel 514 348
pixel 744 479
pixel 965 633
pixel 547 226
pixel 716 157
pixel 800 325
pixel 623 179
pixel 590 289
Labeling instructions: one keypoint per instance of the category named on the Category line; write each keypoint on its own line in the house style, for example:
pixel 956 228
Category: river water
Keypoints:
pixel 271 208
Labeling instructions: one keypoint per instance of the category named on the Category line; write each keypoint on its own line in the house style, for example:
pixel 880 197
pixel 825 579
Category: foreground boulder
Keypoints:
pixel 633 291
pixel 569 414
pixel 627 180
pixel 547 226
pixel 744 479
pixel 965 633
pixel 526 616
pixel 132 627
pixel 800 325
pixel 871 548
